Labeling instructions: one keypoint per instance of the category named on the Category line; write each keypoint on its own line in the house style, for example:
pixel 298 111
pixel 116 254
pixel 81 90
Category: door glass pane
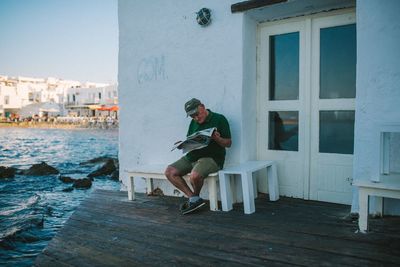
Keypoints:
pixel 284 67
pixel 338 62
pixel 283 130
pixel 336 132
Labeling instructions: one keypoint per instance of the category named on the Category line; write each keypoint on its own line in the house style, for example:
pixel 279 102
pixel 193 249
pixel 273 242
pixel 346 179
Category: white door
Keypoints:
pixel 306 91
pixel 332 107
pixel 282 111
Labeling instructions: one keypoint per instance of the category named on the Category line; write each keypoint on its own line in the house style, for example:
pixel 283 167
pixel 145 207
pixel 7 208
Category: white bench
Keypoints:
pixel 156 171
pixel 389 186
pixel 246 170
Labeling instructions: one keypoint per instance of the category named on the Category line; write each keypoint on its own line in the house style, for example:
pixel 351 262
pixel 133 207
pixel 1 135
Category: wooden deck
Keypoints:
pixel 109 230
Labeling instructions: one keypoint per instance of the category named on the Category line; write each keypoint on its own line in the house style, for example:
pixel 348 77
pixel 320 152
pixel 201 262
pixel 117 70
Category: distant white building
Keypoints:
pixel 16 92
pixel 86 101
pixel 19 92
pixel 326 71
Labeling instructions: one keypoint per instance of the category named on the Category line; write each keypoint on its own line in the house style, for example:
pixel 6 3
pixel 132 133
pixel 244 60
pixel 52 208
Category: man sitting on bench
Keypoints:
pixel 201 162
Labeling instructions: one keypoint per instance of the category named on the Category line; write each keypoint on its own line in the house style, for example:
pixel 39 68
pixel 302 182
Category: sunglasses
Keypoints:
pixel 194 115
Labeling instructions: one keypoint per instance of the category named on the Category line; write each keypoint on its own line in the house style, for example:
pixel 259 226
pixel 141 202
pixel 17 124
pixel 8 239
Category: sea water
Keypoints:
pixel 34 208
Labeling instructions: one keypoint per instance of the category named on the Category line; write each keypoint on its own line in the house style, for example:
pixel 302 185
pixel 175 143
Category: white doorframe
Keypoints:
pixel 308 104
pixel 291 184
pixel 338 165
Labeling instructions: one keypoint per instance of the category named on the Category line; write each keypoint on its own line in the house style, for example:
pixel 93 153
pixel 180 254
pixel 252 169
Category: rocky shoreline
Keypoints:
pixel 109 168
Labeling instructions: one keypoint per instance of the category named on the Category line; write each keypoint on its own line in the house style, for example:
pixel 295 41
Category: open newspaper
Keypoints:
pixel 194 141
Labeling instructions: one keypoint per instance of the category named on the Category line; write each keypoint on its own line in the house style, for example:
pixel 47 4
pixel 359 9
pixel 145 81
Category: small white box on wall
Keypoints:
pixel 382 150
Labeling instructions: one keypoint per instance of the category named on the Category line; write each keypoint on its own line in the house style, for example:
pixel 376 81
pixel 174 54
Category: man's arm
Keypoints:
pixel 224 142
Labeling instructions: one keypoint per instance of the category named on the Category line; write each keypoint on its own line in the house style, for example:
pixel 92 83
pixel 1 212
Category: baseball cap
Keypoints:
pixel 191 107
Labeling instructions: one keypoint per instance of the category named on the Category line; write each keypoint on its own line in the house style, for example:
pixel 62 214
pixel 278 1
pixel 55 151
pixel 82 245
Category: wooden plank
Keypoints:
pixel 296 207
pixel 255 234
pixel 269 216
pixel 167 250
pixel 106 229
pixel 332 225
pixel 238 246
pixel 45 260
pixel 78 252
pixel 117 230
pixel 81 233
pixel 319 243
pixel 247 5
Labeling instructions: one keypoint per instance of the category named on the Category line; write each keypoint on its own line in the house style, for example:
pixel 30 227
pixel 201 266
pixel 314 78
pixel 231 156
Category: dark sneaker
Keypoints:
pixel 188 206
pixel 184 205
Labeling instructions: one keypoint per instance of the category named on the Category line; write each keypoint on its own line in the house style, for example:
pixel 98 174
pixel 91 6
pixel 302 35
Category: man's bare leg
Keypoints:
pixel 176 179
pixel 197 182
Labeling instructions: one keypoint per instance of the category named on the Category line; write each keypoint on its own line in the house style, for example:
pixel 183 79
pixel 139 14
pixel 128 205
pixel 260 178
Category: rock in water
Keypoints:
pixel 115 175
pixel 96 160
pixel 7 172
pixel 41 169
pixel 106 169
pixel 82 183
pixel 66 179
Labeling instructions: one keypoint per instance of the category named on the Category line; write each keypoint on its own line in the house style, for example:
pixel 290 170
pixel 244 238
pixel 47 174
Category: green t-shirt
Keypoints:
pixel 213 150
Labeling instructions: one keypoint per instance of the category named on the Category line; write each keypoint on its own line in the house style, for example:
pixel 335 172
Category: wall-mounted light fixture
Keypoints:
pixel 204 17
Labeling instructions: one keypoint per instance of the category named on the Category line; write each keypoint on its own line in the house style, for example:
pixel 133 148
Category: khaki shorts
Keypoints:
pixel 203 166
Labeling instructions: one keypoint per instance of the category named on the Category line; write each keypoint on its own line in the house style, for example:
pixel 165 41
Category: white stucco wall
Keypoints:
pixel 378 81
pixel 166 58
pixel 249 95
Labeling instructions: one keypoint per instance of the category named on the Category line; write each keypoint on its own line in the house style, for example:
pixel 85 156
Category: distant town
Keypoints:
pixel 27 99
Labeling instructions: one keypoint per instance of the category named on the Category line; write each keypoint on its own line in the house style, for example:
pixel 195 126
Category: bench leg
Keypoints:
pixel 248 192
pixel 232 189
pixel 255 188
pixel 149 185
pixel 377 206
pixel 226 192
pixel 212 193
pixel 273 186
pixel 131 188
pixel 363 210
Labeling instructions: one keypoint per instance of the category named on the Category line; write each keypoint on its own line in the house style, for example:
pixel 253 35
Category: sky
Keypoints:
pixel 66 39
